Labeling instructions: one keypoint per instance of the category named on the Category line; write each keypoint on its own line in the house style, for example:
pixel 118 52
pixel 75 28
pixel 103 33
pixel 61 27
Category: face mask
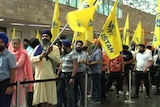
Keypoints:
pixel 2 48
pixel 78 49
pixel 141 51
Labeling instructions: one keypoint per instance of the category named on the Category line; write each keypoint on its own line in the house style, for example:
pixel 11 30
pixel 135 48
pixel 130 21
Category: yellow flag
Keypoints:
pixel 13 33
pixel 89 32
pixel 156 37
pixel 55 28
pixel 138 37
pixel 88 35
pixel 38 36
pixel 110 38
pixel 126 35
pixel 78 20
pixel 78 36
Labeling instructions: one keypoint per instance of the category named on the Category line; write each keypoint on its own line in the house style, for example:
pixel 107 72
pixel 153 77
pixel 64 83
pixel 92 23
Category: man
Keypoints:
pixel 33 43
pixel 27 47
pixel 157 75
pixel 128 60
pixel 45 58
pixel 115 71
pixel 95 67
pixel 67 69
pixel 79 80
pixel 143 62
pixel 7 72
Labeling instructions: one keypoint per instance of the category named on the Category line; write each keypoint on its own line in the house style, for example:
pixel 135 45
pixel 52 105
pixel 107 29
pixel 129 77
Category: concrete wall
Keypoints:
pixel 41 11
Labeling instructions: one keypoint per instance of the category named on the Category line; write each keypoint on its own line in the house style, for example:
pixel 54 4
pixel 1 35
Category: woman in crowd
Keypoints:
pixel 23 70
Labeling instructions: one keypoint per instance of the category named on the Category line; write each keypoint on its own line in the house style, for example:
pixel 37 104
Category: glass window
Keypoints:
pixel 104 8
pixel 73 3
pixel 148 6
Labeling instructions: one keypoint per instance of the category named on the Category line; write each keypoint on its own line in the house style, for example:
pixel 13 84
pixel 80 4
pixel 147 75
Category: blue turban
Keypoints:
pixel 48 32
pixel 4 37
pixel 66 43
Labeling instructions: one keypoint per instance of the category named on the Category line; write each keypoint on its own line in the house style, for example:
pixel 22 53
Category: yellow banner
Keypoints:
pixel 55 27
pixel 110 38
pixel 156 37
pixel 126 34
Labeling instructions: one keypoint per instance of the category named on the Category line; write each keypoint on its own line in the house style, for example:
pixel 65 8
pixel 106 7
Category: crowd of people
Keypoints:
pixel 30 60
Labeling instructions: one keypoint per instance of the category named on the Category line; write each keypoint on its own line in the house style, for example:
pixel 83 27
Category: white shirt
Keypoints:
pixel 155 60
pixel 143 60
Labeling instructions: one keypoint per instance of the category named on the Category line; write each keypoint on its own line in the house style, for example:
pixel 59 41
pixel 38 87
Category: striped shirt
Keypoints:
pixel 67 61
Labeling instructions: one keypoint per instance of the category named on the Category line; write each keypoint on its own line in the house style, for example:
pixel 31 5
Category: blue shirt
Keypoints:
pixel 81 56
pixel 96 68
pixel 7 61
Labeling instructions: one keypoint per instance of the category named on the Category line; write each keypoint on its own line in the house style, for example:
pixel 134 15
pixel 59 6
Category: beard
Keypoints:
pixel 141 51
pixel 45 42
pixel 79 50
pixel 2 48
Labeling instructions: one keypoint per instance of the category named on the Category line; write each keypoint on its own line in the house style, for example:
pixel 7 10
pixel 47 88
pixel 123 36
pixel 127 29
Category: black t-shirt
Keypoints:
pixel 127 56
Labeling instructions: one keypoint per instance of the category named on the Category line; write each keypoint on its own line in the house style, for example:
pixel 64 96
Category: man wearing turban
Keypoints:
pixel 68 69
pixel 46 58
pixel 7 71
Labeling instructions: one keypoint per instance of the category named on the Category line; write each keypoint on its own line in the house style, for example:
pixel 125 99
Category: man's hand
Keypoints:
pixel 49 49
pixel 71 81
pixel 9 90
pixel 144 70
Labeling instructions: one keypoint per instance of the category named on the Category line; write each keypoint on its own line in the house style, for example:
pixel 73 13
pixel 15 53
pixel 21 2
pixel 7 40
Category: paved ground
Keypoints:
pixel 112 101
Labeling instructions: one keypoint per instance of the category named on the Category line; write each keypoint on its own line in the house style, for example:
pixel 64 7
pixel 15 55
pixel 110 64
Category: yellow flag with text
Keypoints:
pixel 138 37
pixel 156 37
pixel 88 34
pixel 126 34
pixel 13 33
pixel 55 27
pixel 78 36
pixel 38 36
pixel 110 38
pixel 89 31
pixel 78 20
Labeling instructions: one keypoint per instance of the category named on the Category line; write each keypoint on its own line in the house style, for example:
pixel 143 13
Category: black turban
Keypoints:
pixel 48 32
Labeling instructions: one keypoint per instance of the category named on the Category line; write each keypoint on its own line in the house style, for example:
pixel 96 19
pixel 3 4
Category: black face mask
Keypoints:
pixel 2 48
pixel 78 49
pixel 141 51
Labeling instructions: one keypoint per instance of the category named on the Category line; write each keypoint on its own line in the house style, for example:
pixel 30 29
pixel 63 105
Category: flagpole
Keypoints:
pixel 59 34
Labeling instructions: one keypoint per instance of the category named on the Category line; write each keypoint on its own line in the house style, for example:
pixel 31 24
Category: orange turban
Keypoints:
pixel 96 41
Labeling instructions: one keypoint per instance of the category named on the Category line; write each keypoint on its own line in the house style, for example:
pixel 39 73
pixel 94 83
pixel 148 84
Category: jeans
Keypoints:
pixel 96 94
pixel 115 76
pixel 142 76
pixel 5 99
pixel 65 89
pixel 79 88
